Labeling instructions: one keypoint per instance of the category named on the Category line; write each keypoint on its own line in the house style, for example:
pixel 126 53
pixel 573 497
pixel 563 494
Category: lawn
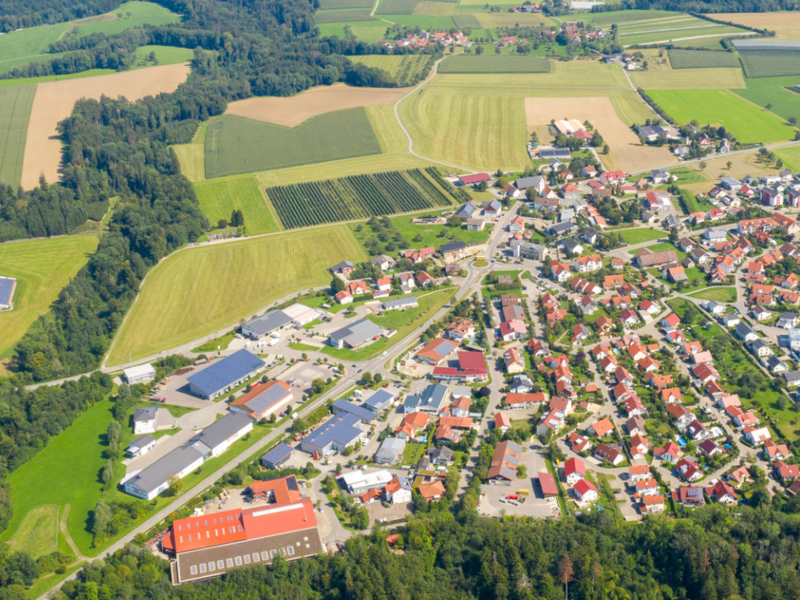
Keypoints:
pixel 637 236
pixel 773 90
pixel 404 321
pixel 239 145
pixel 15 111
pixel 199 291
pixel 487 63
pixel 412 453
pixel 661 247
pixel 722 107
pixel 42 268
pixel 220 197
pixel 303 347
pixel 720 294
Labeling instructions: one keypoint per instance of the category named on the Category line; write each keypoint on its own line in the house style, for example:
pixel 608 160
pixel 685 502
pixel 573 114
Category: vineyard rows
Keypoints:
pixel 356 197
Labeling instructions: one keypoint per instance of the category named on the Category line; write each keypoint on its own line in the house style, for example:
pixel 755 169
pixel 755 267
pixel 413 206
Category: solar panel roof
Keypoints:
pixel 222 373
pixel 508 473
pixel 277 453
pixel 341 428
pixel 353 409
pixel 267 398
pixel 379 399
pixel 6 289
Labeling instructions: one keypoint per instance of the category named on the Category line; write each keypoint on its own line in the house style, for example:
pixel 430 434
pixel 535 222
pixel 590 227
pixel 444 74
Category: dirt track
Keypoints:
pixel 54 101
pixel 316 101
pixel 600 113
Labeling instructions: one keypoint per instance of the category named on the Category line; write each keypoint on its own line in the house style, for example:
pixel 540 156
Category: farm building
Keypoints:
pixel 337 433
pixel 225 374
pixel 139 374
pixel 356 335
pixel 7 287
pixel 266 325
pixel 277 457
pixel 263 400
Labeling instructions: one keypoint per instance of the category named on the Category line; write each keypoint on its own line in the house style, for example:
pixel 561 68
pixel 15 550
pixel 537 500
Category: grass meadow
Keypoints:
pixel 237 145
pixel 323 17
pixel 15 111
pixel 365 31
pixel 773 90
pixel 42 268
pixel 721 107
pixel 698 59
pixel 430 233
pixel 387 129
pixel 192 159
pixel 487 63
pixel 341 4
pixel 165 55
pixel 38 533
pixel 720 294
pixel 638 236
pixel 198 291
pixel 220 197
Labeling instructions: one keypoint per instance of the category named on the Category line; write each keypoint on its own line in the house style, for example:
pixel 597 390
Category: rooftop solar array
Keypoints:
pixel 277 453
pixel 379 400
pixel 353 409
pixel 6 290
pixel 223 373
pixel 269 397
pixel 341 429
pixel 269 322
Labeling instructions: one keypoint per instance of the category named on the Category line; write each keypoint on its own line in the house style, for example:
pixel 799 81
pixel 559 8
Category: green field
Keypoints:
pixel 237 145
pixel 637 236
pixel 606 19
pixel 220 197
pixel 91 73
pixel 202 290
pixel 396 7
pixel 720 107
pixel 15 111
pixel 720 294
pixel 646 37
pixel 340 4
pixel 767 65
pixel 487 63
pixel 42 268
pixel 790 157
pixel 424 22
pixel 365 31
pixel 467 22
pixel 773 90
pixel 403 68
pixel 694 59
pixel 12 63
pixel 357 197
pixel 192 160
pixel 323 17
pixel 429 233
pixel 165 55
pixel 38 533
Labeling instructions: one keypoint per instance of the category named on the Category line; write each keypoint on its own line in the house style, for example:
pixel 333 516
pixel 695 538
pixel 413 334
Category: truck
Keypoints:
pixel 273 341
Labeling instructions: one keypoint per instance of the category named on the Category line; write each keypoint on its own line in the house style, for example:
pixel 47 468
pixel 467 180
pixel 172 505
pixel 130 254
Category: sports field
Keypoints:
pixel 220 197
pixel 54 102
pixel 749 123
pixel 402 67
pixel 786 25
pixel 488 63
pixel 42 268
pixel 237 145
pixel 198 291
pixel 294 110
pixel 773 90
pixel 15 110
pixel 624 143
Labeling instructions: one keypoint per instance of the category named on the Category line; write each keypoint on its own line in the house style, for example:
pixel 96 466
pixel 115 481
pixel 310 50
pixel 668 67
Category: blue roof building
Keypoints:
pixel 7 285
pixel 379 400
pixel 276 457
pixel 343 406
pixel 224 375
pixel 335 434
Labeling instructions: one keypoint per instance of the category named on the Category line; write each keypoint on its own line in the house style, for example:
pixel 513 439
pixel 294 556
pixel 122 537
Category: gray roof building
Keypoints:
pixel 341 405
pixel 225 374
pixel 266 324
pixel 148 413
pixel 524 183
pixel 356 334
pixel 379 400
pixel 390 452
pixel 215 438
pixel 398 303
pixel 277 456
pixel 452 247
pixel 430 400
pixel 560 228
pixel 337 433
pixel 153 480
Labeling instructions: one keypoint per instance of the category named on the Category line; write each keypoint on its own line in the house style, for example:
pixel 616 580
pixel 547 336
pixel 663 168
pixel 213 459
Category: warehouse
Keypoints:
pixel 7 286
pixel 401 303
pixel 359 482
pixel 301 315
pixel 264 400
pixel 277 457
pixel 390 452
pixel 153 480
pixel 336 434
pixel 267 324
pixel 379 400
pixel 356 335
pixel 218 437
pixel 343 406
pixel 224 375
pixel 139 374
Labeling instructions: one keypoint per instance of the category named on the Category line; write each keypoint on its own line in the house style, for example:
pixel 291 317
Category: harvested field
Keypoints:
pixel 600 113
pixel 54 102
pixel 188 295
pixel 387 129
pixel 786 25
pixel 319 100
pixel 15 110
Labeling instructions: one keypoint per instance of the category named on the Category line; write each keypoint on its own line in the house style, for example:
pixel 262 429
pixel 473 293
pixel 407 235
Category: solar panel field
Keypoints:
pixel 198 291
pixel 357 197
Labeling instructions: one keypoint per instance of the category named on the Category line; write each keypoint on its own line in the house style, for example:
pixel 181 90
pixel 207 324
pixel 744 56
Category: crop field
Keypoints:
pixel 295 110
pixel 54 102
pixel 198 291
pixel 342 16
pixel 435 9
pixel 356 197
pixel 721 107
pixel 401 67
pixel 15 110
pixel 504 19
pixel 339 4
pixel 237 145
pixel 396 7
pixel 387 129
pixel 220 197
pixel 770 64
pixel 672 28
pixel 685 79
pixel 698 59
pixel 786 25
pixel 624 143
pixel 606 19
pixel 495 64
pixel 773 90
pixel 192 159
pixel 42 268
pixel 365 31
pixel 467 22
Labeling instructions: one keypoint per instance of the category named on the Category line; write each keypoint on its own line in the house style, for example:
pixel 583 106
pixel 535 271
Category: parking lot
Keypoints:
pixel 533 505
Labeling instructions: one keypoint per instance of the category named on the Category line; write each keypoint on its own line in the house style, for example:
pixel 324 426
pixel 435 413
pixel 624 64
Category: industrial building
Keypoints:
pixel 356 335
pixel 379 400
pixel 7 287
pixel 400 303
pixel 218 437
pixel 359 482
pixel 335 434
pixel 264 400
pixel 139 374
pixel 390 452
pixel 343 406
pixel 431 400
pixel 225 374
pixel 277 457
pixel 267 324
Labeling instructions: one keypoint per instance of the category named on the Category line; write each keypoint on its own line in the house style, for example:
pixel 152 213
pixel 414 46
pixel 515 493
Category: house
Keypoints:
pixel 424 279
pixel 502 422
pixel 668 453
pixel 646 258
pixel 688 470
pixel 505 459
pixel 436 351
pixel 715 235
pixel 745 333
pixel 390 452
pixel 660 176
pixel 398 491
pixel 722 492
pixel 788 320
pixel 515 363
pixel 697 431
pixel 431 491
pixel 574 470
pixel 145 420
pixel 513 330
pixel 739 476
pixel 358 288
pixel 787 472
pixel 773 451
pixel 758 347
pixel 338 433
pixel 470 368
pixel 585 491
pixel 709 447
pixel 639 446
pixel 525 401
pixel 140 446
pixel 611 453
pixel 601 428
pixel 450 429
pixel 756 435
pixel 343 268
pixel 585 264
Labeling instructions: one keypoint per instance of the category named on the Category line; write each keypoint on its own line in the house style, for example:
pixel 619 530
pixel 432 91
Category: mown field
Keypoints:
pixel 236 145
pixel 721 107
pixel 495 64
pixel 786 25
pixel 401 67
pixel 357 197
pixel 790 157
pixel 15 111
pixel 387 129
pixel 685 79
pixel 606 19
pixel 365 31
pixel 435 8
pixel 220 197
pixel 467 22
pixel 42 268
pixel 196 292
pixel 773 90
pixel 698 59
pixel 341 4
pixel 192 159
